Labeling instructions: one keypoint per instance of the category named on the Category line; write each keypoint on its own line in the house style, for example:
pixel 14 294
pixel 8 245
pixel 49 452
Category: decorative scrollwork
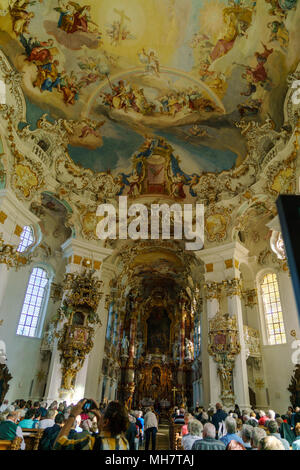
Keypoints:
pixel 10 256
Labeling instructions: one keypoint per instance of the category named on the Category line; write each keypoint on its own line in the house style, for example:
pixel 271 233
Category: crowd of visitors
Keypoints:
pixel 110 426
pixel 215 429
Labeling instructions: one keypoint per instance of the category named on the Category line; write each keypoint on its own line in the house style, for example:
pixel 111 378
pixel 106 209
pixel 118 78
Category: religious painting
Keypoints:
pixel 112 73
pixel 158 331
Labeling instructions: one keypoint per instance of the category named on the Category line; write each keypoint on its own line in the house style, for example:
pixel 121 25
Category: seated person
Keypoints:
pixel 180 417
pixel 296 443
pixel 48 421
pixel 272 427
pixel 9 428
pixel 50 434
pixel 29 421
pixel 231 435
pixel 22 408
pixel 187 418
pixel 195 429
pixel 209 441
pixel 43 409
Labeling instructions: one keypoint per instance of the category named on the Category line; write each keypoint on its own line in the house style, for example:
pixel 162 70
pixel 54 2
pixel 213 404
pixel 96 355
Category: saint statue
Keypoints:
pixel 225 375
pixel 125 345
pixel 49 335
pixel 189 349
pixel 175 351
pixel 140 348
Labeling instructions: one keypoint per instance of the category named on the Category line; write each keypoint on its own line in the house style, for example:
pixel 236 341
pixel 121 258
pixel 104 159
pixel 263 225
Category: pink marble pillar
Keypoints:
pixel 182 336
pixel 133 325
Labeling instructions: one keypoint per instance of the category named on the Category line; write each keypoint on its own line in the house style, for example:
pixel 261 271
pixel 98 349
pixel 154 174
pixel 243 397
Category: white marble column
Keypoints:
pixel 96 356
pixel 79 255
pixel 221 264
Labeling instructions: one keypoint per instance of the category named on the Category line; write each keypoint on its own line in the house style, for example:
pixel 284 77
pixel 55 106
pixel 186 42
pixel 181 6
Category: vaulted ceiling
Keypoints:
pixel 185 70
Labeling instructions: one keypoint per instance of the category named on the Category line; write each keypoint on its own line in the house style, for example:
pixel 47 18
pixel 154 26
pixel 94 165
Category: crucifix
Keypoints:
pixel 123 17
pixel 174 390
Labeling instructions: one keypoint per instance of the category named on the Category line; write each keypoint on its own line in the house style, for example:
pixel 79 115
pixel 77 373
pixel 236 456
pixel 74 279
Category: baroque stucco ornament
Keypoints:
pixel 224 346
pixel 79 311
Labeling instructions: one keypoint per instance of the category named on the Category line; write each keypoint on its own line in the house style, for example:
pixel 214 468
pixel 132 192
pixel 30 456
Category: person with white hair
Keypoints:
pixel 209 441
pixel 257 435
pixel 271 414
pixel 272 426
pixel 231 435
pixel 9 428
pixel 195 429
pixel 48 421
pixel 246 434
pixel 270 443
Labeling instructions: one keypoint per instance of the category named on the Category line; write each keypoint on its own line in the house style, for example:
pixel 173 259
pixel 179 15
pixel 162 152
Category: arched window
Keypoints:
pixel 26 239
pixel 34 303
pixel 272 309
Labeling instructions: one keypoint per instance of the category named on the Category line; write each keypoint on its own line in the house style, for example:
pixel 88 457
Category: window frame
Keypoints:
pixel 262 314
pixel 45 302
pixel 29 247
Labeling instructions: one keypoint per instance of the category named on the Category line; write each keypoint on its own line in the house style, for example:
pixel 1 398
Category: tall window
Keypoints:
pixel 34 302
pixel 26 239
pixel 272 309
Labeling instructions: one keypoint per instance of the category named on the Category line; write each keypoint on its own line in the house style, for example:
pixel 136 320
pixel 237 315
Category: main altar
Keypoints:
pixel 156 351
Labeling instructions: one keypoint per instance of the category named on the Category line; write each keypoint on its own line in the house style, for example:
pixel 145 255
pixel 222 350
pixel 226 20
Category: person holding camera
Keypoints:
pixel 111 425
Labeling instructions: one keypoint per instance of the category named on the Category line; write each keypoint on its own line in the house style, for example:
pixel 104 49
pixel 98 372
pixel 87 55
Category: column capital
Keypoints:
pixel 86 254
pixel 222 262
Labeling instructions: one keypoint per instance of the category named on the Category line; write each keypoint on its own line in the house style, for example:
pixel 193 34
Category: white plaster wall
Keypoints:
pixel 278 358
pixel 23 353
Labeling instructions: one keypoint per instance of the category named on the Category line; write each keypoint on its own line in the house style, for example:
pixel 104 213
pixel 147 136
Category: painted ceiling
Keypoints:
pixel 117 73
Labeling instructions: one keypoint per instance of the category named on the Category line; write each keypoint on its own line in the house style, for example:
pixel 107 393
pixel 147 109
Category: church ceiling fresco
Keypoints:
pixel 122 75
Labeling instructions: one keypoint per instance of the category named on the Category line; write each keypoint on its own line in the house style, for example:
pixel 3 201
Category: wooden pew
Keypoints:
pixel 32 438
pixel 11 445
pixel 175 436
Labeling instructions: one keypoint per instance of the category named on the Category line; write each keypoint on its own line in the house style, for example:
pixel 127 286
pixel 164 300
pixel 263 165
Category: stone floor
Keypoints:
pixel 162 437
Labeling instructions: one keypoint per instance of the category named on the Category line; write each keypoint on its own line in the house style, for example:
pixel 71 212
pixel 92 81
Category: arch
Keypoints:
pixel 271 315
